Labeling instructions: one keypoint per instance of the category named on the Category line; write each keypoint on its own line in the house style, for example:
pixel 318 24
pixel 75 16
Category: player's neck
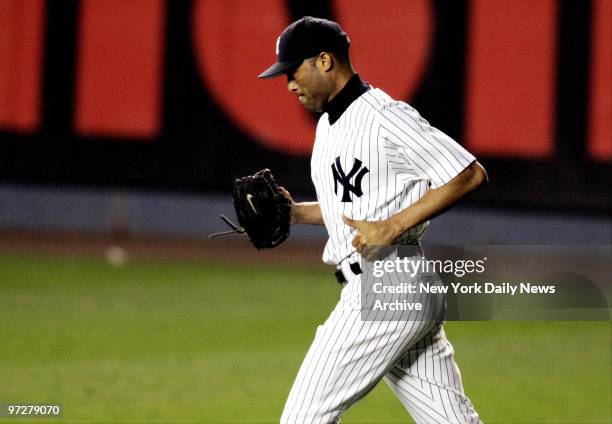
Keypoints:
pixel 343 77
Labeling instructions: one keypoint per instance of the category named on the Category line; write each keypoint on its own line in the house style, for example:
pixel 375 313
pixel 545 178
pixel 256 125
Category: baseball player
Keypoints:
pixel 381 172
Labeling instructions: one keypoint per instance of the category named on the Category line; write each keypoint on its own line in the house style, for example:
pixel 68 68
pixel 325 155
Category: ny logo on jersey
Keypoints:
pixel 345 179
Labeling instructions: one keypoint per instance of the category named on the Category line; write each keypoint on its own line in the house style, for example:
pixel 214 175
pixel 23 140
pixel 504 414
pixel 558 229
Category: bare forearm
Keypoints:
pixel 307 213
pixel 436 201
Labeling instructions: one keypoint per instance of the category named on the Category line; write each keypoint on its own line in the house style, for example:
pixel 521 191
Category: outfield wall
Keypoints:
pixel 162 95
pixel 169 214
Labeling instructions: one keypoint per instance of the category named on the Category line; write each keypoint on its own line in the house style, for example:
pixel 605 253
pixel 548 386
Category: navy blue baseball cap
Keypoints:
pixel 306 37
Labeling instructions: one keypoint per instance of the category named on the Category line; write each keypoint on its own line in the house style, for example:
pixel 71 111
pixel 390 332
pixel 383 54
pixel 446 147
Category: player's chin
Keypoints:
pixel 309 104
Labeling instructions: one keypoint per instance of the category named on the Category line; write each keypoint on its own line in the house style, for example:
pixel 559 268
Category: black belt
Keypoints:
pixel 341 278
pixel 404 250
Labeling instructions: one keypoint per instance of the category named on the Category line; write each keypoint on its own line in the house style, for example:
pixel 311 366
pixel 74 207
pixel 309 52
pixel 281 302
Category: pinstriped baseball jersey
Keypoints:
pixel 374 157
pixel 373 160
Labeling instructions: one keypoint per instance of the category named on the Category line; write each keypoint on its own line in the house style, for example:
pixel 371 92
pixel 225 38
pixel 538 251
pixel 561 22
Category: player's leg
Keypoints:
pixel 428 382
pixel 347 358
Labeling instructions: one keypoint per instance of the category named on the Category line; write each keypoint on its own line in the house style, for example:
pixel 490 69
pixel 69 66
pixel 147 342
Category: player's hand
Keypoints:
pixel 293 204
pixel 372 236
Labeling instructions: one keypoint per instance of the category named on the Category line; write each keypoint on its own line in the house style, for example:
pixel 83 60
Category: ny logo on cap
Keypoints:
pixel 345 179
pixel 277 43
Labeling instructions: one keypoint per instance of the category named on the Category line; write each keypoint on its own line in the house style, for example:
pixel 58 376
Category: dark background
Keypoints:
pixel 198 148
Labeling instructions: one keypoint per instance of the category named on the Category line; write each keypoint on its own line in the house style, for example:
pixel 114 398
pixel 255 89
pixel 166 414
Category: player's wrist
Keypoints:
pixel 306 213
pixel 396 227
pixel 296 213
pixel 299 213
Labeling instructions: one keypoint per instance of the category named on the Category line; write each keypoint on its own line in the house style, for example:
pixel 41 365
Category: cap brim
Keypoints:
pixel 278 69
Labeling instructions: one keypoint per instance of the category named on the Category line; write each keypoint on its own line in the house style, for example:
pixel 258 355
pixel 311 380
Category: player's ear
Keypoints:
pixel 325 61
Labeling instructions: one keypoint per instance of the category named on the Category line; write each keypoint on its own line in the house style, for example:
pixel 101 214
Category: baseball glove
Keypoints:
pixel 264 214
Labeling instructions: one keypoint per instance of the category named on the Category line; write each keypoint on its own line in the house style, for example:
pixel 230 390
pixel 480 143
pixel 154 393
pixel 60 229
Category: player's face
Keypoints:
pixel 309 84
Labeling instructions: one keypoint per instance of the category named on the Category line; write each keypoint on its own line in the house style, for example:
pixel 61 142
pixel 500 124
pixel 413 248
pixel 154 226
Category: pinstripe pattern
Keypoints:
pixel 354 349
pixel 350 355
pixel 404 154
pixel 428 382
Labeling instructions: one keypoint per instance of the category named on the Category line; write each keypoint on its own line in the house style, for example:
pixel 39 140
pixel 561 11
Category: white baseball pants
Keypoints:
pixel 350 355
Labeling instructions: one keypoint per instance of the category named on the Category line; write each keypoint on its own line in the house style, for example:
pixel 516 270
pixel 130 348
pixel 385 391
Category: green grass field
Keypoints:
pixel 211 342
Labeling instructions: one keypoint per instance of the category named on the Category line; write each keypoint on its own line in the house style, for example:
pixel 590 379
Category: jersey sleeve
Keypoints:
pixel 430 153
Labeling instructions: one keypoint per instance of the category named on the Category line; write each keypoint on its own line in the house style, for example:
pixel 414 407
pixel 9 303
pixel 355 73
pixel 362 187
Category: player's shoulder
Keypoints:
pixel 385 105
pixel 395 114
